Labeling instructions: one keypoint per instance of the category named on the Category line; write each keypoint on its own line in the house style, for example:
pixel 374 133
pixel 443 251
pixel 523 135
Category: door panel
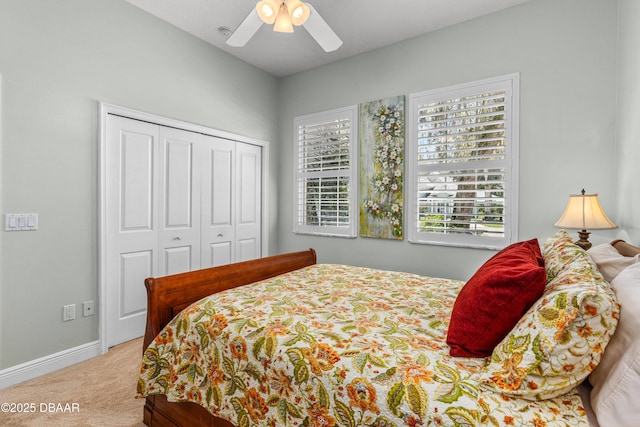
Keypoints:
pixel 131 238
pixel 218 211
pixel 249 201
pixel 247 250
pixel 220 253
pixel 179 234
pixel 178 182
pixel 221 185
pixel 134 268
pixel 136 178
pixel 178 259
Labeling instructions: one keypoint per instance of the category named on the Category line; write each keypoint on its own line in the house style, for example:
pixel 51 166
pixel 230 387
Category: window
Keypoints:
pixel 462 159
pixel 325 167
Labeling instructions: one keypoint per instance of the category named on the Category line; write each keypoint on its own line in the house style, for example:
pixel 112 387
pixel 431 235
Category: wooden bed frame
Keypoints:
pixel 167 296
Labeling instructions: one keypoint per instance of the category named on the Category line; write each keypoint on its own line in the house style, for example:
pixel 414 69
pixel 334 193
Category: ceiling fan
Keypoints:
pixel 284 14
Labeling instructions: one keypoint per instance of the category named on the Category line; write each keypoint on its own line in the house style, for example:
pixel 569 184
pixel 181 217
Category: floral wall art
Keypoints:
pixel 381 135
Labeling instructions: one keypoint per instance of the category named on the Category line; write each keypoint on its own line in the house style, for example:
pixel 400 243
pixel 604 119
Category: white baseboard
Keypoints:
pixel 47 364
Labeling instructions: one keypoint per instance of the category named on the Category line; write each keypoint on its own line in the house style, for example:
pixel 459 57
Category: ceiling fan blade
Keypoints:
pixel 245 30
pixel 321 31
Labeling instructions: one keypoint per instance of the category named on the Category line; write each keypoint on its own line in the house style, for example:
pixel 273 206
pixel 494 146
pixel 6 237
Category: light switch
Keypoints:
pixel 20 222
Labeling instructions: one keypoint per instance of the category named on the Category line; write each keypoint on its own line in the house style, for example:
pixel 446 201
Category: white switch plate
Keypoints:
pixel 20 222
pixel 68 312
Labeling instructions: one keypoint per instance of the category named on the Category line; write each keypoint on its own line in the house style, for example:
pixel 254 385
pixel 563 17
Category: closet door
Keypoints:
pixel 248 202
pixel 131 174
pixel 218 210
pixel 179 201
pixel 231 202
pixel 153 192
pixel 174 201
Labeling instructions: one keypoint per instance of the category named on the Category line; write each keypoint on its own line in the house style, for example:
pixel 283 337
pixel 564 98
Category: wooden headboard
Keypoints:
pixel 625 248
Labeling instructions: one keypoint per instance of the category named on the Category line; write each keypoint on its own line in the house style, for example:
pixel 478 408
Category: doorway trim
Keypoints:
pixel 107 109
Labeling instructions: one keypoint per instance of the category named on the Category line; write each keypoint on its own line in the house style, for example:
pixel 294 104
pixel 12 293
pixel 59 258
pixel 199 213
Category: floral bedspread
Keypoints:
pixel 333 345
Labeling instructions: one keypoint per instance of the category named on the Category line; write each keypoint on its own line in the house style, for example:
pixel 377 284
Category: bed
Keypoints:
pixel 283 340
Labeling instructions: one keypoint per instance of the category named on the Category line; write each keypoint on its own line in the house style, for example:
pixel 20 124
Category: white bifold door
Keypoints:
pixel 176 201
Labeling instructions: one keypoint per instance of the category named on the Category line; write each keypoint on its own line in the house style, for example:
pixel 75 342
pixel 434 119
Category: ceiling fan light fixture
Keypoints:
pixel 283 20
pixel 283 14
pixel 299 11
pixel 267 10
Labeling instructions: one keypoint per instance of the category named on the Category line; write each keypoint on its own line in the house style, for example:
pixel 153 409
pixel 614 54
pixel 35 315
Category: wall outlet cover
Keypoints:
pixel 88 308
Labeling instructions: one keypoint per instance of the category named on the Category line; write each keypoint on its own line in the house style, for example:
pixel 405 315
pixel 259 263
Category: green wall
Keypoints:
pixel 58 60
pixel 565 52
pixel 628 129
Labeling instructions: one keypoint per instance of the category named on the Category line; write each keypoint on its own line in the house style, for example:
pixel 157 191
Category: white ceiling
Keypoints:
pixel 362 25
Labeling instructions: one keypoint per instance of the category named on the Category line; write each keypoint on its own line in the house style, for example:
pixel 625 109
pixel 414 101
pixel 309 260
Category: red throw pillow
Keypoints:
pixel 490 304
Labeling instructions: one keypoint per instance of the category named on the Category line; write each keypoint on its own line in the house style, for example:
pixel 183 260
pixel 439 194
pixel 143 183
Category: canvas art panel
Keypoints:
pixel 381 134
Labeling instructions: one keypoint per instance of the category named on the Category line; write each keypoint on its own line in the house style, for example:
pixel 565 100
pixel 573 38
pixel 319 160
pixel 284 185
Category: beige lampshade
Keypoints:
pixel 299 11
pixel 267 10
pixel 283 20
pixel 584 211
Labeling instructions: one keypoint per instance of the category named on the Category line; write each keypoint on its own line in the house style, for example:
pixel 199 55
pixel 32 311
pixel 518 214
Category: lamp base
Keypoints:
pixel 584 242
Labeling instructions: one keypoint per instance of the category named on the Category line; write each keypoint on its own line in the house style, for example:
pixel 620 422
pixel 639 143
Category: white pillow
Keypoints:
pixel 610 262
pixel 616 380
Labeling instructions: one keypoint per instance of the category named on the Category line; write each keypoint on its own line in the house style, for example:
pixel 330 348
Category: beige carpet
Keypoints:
pixel 98 392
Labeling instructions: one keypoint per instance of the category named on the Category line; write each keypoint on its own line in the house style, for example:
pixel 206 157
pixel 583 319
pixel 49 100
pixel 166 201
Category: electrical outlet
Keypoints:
pixel 68 312
pixel 87 308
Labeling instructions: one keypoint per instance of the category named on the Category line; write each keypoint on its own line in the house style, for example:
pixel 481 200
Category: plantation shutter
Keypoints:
pixel 464 145
pixel 325 173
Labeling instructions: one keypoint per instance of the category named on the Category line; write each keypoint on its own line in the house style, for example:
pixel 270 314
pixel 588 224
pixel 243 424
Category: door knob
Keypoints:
pixel 176 238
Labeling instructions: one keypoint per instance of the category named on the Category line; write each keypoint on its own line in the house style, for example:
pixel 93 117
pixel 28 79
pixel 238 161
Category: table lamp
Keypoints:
pixel 584 211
